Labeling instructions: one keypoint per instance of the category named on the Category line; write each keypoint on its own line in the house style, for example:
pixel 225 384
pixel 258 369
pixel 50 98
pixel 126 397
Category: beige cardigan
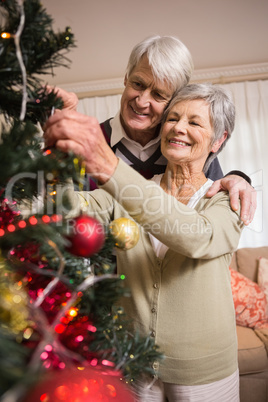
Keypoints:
pixel 184 301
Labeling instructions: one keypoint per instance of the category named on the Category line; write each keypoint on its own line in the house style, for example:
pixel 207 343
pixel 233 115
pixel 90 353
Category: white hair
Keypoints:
pixel 221 109
pixel 168 57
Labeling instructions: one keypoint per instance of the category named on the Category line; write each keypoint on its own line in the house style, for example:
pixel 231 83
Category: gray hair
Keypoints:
pixel 168 57
pixel 221 110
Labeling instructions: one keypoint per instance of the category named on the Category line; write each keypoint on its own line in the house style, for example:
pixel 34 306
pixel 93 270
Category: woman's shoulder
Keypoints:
pixel 219 200
pixel 220 197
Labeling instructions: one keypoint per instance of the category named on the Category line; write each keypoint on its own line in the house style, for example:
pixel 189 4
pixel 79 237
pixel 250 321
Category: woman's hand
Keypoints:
pixel 238 189
pixel 69 130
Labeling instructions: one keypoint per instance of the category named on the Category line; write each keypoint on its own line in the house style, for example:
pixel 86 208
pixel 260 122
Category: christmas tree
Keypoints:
pixel 63 337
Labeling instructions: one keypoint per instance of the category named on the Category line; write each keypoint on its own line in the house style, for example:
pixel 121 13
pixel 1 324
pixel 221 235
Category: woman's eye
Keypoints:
pixel 194 123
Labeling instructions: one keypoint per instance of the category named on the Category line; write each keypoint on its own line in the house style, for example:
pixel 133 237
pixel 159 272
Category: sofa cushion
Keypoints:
pixel 249 302
pixel 245 260
pixel 262 333
pixel 233 263
pixel 252 357
pixel 263 276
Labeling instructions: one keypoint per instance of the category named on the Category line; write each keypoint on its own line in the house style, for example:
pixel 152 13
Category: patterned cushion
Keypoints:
pixel 263 276
pixel 249 302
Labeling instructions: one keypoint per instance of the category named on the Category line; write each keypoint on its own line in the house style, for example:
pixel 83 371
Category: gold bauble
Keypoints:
pixel 125 232
pixel 14 314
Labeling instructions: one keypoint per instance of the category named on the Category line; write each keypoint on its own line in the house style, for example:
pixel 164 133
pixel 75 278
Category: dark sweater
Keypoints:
pixel 151 167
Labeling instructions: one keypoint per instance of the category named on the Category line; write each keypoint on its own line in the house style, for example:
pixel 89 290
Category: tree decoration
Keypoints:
pixel 58 317
pixel 82 384
pixel 26 33
pixel 125 232
pixel 87 236
pixel 14 314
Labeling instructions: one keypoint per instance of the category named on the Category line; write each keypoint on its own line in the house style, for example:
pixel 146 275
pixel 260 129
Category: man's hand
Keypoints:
pixel 238 188
pixel 70 99
pixel 69 130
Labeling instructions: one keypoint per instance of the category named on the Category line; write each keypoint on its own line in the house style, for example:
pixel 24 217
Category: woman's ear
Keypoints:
pixel 216 146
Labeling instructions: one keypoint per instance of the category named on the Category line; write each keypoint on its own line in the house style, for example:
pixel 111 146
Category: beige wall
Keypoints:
pixel 218 33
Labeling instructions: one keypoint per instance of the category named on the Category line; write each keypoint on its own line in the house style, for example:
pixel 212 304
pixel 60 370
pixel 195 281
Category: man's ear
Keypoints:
pixel 216 146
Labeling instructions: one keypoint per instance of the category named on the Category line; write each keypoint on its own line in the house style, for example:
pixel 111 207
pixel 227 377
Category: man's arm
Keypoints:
pixel 240 174
pixel 215 172
pixel 238 186
pixel 238 189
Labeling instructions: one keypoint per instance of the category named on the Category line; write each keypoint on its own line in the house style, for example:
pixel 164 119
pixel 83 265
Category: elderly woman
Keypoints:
pixel 178 272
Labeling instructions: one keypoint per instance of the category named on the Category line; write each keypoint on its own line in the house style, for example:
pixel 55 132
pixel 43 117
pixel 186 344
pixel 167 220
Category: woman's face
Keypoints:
pixel 187 133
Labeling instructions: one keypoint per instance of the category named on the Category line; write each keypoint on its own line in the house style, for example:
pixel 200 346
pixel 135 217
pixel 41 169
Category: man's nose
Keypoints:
pixel 144 98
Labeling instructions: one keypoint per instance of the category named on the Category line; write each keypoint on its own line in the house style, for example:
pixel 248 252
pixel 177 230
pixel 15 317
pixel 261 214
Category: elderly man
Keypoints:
pixel 157 69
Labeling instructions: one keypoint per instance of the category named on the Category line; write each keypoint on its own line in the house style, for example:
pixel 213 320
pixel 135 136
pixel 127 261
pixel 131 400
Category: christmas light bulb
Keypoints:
pixel 5 35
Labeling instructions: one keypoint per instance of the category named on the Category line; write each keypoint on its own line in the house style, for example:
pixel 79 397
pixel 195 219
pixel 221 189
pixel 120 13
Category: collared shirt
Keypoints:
pixel 142 153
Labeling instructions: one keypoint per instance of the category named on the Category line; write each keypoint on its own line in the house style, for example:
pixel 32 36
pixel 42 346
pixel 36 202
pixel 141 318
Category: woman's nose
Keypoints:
pixel 181 126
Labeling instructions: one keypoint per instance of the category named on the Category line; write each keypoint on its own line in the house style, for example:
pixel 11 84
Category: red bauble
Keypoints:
pixel 81 385
pixel 86 236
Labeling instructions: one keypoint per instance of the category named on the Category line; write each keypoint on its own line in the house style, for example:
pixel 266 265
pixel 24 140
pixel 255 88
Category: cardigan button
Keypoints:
pixel 153 310
pixel 153 334
pixel 156 285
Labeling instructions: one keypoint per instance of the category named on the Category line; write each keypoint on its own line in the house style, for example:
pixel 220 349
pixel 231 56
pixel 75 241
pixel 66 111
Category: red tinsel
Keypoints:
pixel 8 213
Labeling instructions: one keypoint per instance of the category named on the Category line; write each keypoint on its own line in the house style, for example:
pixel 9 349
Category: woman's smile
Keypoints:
pixel 178 142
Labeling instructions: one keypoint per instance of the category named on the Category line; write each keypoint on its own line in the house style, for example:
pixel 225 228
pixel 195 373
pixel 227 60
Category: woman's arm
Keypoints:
pixel 214 230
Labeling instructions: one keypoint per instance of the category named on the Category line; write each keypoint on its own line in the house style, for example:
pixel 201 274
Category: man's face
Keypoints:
pixel 143 102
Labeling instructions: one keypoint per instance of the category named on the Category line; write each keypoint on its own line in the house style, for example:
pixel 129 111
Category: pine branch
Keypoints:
pixel 42 50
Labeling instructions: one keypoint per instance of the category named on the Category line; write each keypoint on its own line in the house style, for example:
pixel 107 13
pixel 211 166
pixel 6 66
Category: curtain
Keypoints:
pixel 246 150
pixel 101 107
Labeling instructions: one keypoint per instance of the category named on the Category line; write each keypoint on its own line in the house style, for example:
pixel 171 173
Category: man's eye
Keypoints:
pixel 158 96
pixel 136 85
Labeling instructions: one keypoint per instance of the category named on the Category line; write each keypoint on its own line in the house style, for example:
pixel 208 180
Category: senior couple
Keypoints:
pixel 179 279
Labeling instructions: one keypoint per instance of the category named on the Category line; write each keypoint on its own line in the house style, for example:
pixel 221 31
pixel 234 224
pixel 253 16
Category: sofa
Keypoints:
pixel 252 341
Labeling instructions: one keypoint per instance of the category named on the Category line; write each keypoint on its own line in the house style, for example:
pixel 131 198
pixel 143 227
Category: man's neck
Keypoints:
pixel 142 137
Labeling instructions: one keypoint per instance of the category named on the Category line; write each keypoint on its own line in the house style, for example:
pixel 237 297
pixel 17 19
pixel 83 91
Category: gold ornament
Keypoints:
pixel 126 233
pixel 14 315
